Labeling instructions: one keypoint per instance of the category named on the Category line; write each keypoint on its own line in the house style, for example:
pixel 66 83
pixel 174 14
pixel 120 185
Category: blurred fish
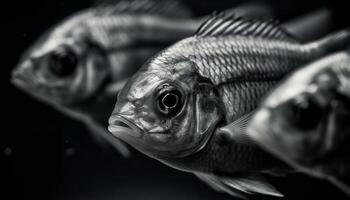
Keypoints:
pixel 311 26
pixel 176 107
pixel 80 64
pixel 305 120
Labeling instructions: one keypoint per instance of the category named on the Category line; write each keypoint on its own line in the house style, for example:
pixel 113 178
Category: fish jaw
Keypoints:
pixel 149 143
pixel 21 73
pixel 29 87
pixel 18 80
pixel 120 125
pixel 23 78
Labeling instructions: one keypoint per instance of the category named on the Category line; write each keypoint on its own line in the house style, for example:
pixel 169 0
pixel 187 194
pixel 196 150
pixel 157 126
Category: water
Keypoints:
pixel 48 156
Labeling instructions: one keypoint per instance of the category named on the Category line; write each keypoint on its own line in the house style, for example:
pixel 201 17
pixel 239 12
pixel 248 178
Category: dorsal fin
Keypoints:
pixel 167 8
pixel 219 25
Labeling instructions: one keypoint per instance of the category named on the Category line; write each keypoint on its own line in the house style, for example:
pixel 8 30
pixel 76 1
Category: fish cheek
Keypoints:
pixel 208 109
pixel 93 71
pixel 96 59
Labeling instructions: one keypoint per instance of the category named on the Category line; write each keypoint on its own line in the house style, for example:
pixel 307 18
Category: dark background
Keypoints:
pixel 48 156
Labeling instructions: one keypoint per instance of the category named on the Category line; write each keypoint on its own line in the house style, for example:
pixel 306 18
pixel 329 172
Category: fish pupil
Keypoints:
pixel 306 113
pixel 170 100
pixel 63 62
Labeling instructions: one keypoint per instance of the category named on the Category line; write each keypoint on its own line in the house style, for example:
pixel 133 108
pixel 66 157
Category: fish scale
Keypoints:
pixel 227 62
pixel 240 61
pixel 243 98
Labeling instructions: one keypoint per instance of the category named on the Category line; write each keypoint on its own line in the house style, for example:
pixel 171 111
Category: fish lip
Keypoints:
pixel 17 82
pixel 21 78
pixel 20 81
pixel 118 129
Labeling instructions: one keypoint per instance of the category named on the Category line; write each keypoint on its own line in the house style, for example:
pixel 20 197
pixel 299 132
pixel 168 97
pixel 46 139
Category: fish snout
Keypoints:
pixel 21 78
pixel 22 73
pixel 120 125
pixel 16 76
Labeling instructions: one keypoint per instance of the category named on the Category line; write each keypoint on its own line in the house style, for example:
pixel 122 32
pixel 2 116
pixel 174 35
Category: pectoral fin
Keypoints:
pixel 215 183
pixel 236 131
pixel 240 186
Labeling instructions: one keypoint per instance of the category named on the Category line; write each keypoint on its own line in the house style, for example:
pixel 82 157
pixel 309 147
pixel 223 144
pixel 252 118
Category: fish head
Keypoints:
pixel 62 67
pixel 305 117
pixel 166 109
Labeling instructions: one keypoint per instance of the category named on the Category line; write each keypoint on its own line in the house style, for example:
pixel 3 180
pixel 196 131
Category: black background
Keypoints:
pixel 48 156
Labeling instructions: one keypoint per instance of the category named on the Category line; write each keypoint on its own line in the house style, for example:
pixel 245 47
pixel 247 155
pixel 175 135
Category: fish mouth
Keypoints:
pixel 22 81
pixel 18 82
pixel 120 125
pixel 22 78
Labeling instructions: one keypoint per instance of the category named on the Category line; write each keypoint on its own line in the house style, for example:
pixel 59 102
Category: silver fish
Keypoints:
pixel 81 63
pixel 305 120
pixel 176 107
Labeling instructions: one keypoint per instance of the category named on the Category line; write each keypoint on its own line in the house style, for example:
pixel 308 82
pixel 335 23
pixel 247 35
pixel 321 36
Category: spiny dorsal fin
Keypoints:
pixel 167 8
pixel 220 25
pixel 239 186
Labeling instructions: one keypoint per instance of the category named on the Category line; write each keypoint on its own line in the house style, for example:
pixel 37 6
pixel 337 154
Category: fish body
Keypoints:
pixel 304 121
pixel 79 65
pixel 176 107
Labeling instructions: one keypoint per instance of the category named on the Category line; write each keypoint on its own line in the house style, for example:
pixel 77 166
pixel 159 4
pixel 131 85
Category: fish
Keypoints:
pixel 304 120
pixel 80 64
pixel 175 109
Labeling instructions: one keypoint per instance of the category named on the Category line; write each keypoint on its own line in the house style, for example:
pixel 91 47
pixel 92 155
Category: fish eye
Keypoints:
pixel 169 100
pixel 63 62
pixel 306 113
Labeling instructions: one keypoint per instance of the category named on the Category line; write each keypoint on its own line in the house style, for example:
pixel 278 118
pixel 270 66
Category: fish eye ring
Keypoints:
pixel 63 62
pixel 169 100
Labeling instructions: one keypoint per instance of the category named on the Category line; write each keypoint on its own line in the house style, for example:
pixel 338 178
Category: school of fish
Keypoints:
pixel 215 97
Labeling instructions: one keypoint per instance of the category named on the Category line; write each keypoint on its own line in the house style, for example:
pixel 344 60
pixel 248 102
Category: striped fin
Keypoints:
pixel 215 183
pixel 167 8
pixel 221 25
pixel 240 187
pixel 236 131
